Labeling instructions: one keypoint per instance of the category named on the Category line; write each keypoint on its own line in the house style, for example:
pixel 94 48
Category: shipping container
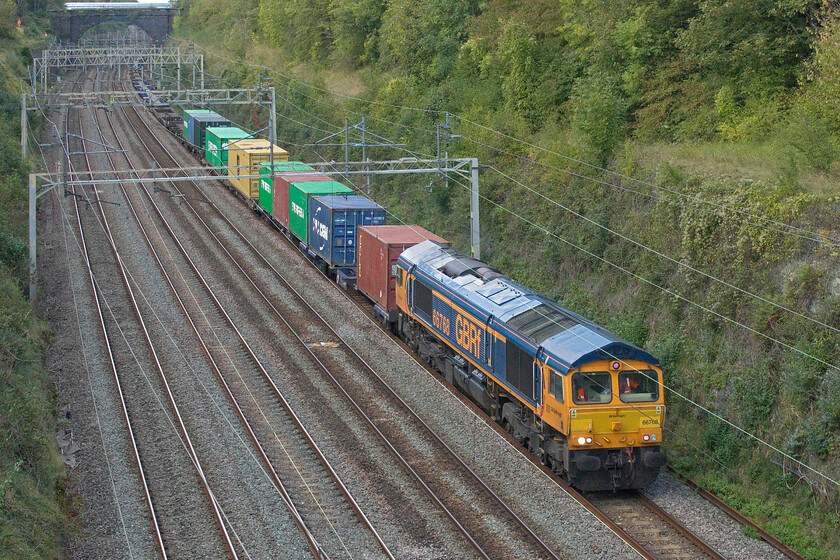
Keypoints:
pixel 266 199
pixel 281 191
pixel 187 114
pixel 217 140
pixel 299 193
pixel 245 158
pixel 378 249
pixel 198 125
pixel 333 223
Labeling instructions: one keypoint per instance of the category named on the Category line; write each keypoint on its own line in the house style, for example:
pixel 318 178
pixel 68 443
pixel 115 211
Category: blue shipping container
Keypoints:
pixel 198 124
pixel 333 220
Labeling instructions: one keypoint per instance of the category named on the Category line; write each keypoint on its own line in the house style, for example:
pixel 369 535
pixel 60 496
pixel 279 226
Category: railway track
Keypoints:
pixel 318 502
pixel 167 465
pixel 402 433
pixel 658 534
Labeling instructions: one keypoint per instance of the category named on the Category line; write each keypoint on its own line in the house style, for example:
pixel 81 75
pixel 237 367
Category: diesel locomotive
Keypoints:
pixel 584 401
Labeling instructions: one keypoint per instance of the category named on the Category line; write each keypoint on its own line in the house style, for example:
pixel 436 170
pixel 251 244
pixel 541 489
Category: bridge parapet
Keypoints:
pixel 70 24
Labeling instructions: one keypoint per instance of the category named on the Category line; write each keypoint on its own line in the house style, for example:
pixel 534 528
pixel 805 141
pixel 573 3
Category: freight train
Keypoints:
pixel 585 402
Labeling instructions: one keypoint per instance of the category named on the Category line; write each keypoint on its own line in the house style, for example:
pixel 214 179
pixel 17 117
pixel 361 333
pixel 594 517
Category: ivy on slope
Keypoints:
pixel 32 519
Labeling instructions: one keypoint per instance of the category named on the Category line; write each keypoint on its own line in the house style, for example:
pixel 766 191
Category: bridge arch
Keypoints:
pixel 71 23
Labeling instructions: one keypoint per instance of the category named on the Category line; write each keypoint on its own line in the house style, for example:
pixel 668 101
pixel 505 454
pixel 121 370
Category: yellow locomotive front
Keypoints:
pixel 608 415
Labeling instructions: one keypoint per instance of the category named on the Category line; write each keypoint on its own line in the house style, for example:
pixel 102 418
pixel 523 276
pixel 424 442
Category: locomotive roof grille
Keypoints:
pixel 542 322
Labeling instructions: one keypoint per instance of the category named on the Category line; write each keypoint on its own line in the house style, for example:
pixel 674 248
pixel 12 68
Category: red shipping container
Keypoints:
pixel 280 191
pixel 378 249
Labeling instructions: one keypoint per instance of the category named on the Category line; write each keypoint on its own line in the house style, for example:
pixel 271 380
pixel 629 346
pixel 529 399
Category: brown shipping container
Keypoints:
pixel 378 248
pixel 280 192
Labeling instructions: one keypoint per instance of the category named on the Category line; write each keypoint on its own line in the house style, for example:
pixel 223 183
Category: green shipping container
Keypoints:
pixel 299 194
pixel 218 138
pixel 187 120
pixel 266 200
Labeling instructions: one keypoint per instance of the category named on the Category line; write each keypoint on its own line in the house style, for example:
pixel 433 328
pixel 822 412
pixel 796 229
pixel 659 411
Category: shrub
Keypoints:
pixel 599 114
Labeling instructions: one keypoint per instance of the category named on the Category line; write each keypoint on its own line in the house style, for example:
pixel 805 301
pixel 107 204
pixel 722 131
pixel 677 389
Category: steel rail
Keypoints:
pixel 287 406
pixel 680 528
pixel 181 425
pixel 737 516
pixel 370 369
pixel 217 372
pixel 138 461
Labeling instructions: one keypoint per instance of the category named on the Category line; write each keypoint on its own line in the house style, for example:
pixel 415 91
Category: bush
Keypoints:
pixel 599 114
pixel 809 135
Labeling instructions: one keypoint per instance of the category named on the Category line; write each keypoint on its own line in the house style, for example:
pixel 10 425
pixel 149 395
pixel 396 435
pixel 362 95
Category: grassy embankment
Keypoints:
pixel 695 153
pixel 32 517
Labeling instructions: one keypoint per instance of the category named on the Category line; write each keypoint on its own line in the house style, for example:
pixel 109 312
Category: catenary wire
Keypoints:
pixel 789 229
pixel 662 255
pixel 674 294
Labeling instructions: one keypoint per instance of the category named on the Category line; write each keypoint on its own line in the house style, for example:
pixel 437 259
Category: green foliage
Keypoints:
pixel 520 76
pixel 423 38
pixel 32 524
pixel 632 327
pixel 31 519
pixel 758 44
pixel 754 393
pixel 301 27
pixel 356 29
pixel 809 134
pixel 790 528
pixel 723 444
pixel 599 114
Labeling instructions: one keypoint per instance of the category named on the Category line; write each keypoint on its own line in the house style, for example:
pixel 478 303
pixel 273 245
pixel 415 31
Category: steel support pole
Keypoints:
pixel 272 135
pixel 65 159
pixel 23 126
pixel 179 68
pixel 475 229
pixel 347 145
pixel 364 152
pixel 201 58
pixel 33 286
pixel 272 132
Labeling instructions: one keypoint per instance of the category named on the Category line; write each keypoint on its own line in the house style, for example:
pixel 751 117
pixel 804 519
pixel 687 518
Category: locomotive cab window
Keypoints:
pixel 399 276
pixel 638 386
pixel 555 385
pixel 591 388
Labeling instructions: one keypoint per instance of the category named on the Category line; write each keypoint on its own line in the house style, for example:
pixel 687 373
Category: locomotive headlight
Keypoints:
pixel 581 440
pixel 646 437
pixel 653 437
pixel 588 440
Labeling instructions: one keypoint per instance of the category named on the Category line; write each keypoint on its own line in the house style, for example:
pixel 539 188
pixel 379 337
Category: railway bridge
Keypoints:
pixel 71 22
